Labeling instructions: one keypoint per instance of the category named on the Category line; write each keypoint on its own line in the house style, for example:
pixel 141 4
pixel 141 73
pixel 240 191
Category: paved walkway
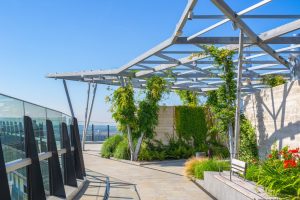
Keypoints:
pixel 154 181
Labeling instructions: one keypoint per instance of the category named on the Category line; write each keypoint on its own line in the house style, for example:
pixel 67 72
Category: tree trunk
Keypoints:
pixel 138 147
pixel 130 143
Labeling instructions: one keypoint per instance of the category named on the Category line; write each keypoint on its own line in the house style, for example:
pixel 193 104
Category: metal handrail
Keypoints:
pixel 23 162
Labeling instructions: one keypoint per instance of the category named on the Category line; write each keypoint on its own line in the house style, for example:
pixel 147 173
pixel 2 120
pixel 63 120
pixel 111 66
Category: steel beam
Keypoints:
pixel 268 35
pixel 227 20
pixel 234 40
pixel 247 16
pixel 242 25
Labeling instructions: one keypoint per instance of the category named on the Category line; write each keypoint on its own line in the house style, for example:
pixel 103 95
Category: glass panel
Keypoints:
pixel 18 184
pixel 38 116
pixel 12 128
pixel 68 120
pixel 56 118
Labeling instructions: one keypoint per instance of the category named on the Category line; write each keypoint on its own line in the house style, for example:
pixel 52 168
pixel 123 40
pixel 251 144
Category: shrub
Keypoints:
pixel 252 172
pixel 195 167
pixel 110 145
pixel 190 164
pixel 150 152
pixel 279 176
pixel 210 165
pixel 178 149
pixel 122 150
pixel 220 152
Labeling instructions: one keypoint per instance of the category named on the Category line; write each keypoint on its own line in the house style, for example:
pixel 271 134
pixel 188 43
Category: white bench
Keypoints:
pixel 238 167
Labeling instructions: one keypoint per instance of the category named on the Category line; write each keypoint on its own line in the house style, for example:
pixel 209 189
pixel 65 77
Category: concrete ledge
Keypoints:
pixel 220 186
pixel 71 192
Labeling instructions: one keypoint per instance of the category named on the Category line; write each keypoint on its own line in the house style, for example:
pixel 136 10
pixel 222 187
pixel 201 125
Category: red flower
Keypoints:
pixel 289 163
pixel 270 156
pixel 294 150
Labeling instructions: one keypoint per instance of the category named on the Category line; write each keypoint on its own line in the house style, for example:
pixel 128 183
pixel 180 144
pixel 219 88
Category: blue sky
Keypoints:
pixel 39 37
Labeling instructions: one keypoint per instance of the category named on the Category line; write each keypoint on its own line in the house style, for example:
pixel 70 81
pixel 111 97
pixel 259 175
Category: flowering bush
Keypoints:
pixel 279 173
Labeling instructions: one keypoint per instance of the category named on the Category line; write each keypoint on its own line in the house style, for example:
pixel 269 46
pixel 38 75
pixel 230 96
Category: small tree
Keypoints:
pixel 138 119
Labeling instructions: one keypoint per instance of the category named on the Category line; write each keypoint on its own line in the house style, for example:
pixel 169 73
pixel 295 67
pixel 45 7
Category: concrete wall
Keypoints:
pixel 166 124
pixel 275 113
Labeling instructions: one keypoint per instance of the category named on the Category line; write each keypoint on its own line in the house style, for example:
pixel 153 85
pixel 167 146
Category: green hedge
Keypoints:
pixel 191 124
pixel 122 150
pixel 110 145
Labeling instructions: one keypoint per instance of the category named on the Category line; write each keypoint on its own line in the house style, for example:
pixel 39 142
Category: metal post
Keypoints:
pixel 56 184
pixel 90 113
pixel 68 97
pixel 238 96
pixel 107 131
pixel 93 133
pixel 85 117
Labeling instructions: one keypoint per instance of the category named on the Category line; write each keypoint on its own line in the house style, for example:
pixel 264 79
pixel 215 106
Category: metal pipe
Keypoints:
pixel 90 112
pixel 238 96
pixel 68 97
pixel 85 117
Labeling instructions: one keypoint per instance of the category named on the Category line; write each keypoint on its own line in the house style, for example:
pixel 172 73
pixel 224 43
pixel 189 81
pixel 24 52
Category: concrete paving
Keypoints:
pixel 153 181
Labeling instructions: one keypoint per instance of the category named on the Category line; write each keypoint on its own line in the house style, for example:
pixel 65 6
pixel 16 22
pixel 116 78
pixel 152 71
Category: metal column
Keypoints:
pixel 88 113
pixel 238 96
pixel 68 97
pixel 85 116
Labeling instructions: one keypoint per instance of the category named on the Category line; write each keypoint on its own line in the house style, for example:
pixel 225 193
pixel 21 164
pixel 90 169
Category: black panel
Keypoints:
pixel 35 184
pixel 79 165
pixel 69 169
pixel 55 176
pixel 4 188
pixel 77 146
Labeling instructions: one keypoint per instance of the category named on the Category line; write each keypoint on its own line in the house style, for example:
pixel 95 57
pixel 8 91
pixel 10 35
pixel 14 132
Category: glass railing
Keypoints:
pixel 12 113
pixel 98 131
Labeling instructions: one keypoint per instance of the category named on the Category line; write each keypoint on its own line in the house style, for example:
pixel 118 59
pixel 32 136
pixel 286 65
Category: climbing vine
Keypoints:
pixel 222 100
pixel 188 98
pixel 191 124
pixel 273 80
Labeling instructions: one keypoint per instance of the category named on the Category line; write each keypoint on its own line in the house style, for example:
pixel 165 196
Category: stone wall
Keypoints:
pixel 166 124
pixel 275 113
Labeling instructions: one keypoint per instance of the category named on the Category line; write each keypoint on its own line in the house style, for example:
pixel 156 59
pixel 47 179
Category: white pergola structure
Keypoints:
pixel 273 51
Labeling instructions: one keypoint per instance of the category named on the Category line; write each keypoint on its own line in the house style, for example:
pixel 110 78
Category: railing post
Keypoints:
pixel 107 131
pixel 4 187
pixel 78 157
pixel 69 168
pixel 93 139
pixel 35 185
pixel 55 176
